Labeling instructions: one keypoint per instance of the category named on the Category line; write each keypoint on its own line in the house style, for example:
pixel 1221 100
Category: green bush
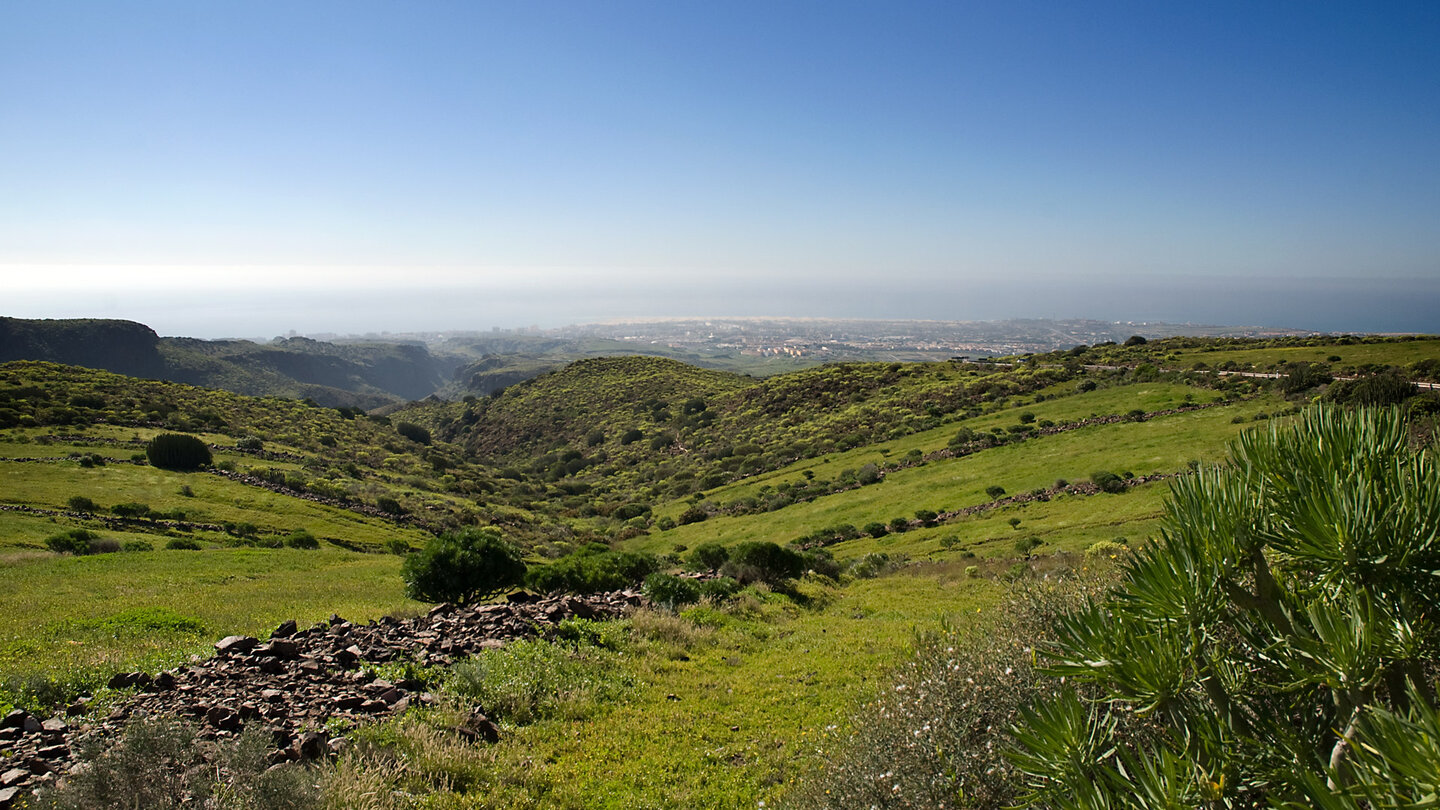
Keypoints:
pixel 719 589
pixel 591 570
pixel 994 491
pixel 301 538
pixel 533 679
pixel 251 443
pixel 670 590
pixel 876 529
pixel 762 561
pixel 1107 481
pixel 80 503
pixel 709 556
pixel 137 545
pixel 73 541
pixel 413 432
pixel 182 544
pixel 631 510
pixel 1274 640
pixel 177 451
pixel 130 510
pixel 462 567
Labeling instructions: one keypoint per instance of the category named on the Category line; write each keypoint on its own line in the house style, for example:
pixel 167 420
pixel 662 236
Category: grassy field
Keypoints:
pixel 732 706
pixel 1359 354
pixel 1160 445
pixel 76 620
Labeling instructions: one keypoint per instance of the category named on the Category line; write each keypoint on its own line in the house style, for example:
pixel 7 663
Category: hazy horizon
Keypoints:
pixel 216 170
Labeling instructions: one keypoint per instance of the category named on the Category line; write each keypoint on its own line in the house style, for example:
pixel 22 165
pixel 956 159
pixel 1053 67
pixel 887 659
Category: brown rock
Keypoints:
pixel 236 644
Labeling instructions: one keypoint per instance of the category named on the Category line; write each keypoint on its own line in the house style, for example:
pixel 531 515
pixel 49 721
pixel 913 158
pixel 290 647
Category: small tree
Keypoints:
pixel 463 567
pixel 177 451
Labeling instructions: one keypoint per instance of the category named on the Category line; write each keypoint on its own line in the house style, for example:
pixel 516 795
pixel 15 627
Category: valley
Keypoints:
pixel 924 494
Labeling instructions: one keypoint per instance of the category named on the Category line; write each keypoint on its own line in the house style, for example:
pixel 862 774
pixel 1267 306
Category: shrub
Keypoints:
pixel 935 734
pixel 631 510
pixel 182 544
pixel 1271 636
pixel 762 561
pixel 1375 390
pixel 1025 545
pixel 1102 550
pixel 670 590
pixel 590 570
pixel 301 538
pixel 413 432
pixel 873 565
pixel 251 443
pixel 631 436
pixel 867 474
pixel 177 451
pixel 821 563
pixel 397 546
pixel 876 529
pixel 709 556
pixel 130 510
pixel 462 567
pixel 994 491
pixel 665 524
pixel 161 763
pixel 899 524
pixel 926 517
pixel 80 503
pixel 719 588
pixel 694 514
pixel 533 679
pixel 1107 481
pixel 74 541
pixel 137 545
pixel 389 505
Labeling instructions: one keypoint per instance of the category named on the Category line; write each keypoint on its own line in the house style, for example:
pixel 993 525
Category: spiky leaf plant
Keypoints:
pixel 1281 634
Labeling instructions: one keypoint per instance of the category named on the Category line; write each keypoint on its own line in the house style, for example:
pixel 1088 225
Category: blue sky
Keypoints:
pixel 250 168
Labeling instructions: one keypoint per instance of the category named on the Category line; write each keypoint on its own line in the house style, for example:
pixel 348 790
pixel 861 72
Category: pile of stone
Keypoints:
pixel 295 682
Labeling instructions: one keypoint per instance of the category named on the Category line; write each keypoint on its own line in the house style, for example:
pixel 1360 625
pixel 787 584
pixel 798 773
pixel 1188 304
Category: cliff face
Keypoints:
pixel 367 375
pixel 124 347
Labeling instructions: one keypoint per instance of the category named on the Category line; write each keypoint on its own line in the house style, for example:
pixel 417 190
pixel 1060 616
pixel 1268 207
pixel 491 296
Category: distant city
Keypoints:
pixel 821 340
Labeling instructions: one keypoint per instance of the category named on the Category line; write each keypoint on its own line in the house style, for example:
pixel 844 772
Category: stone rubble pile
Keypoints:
pixel 294 682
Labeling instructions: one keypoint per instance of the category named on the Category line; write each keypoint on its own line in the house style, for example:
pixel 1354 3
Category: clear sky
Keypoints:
pixel 242 168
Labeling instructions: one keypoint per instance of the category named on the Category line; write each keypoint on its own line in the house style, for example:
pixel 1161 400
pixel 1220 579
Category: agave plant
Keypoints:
pixel 1275 645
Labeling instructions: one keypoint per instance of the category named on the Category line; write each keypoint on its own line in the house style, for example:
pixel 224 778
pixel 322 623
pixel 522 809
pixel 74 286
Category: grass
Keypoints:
pixel 1164 444
pixel 79 619
pixel 1062 410
pixel 1398 353
pixel 732 704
